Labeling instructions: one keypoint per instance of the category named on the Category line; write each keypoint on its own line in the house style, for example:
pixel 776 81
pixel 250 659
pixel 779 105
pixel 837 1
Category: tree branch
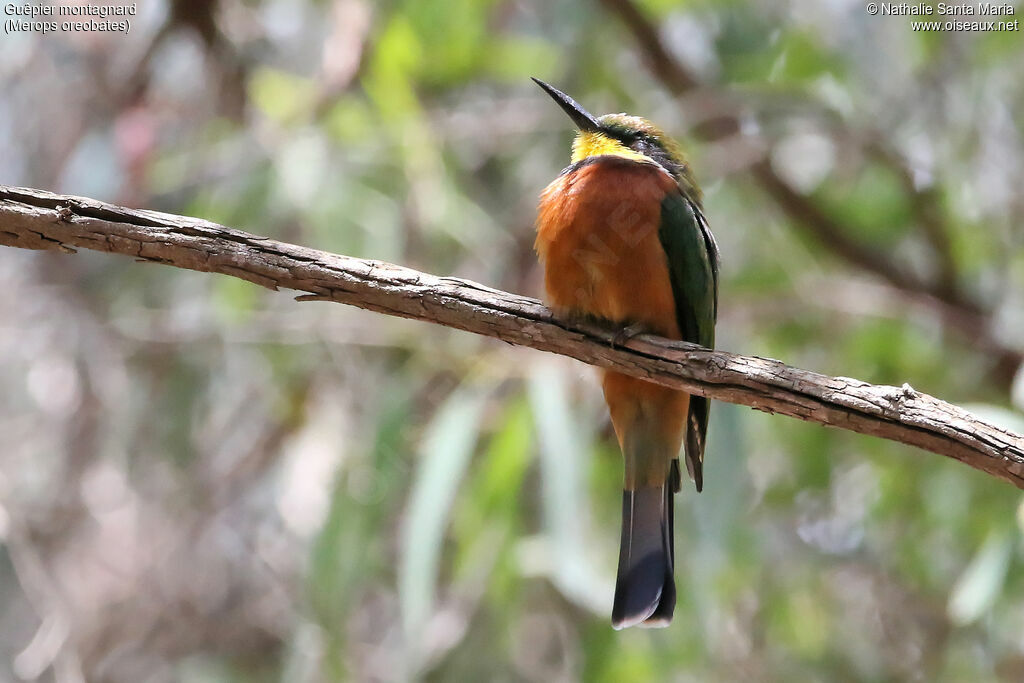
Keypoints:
pixel 34 219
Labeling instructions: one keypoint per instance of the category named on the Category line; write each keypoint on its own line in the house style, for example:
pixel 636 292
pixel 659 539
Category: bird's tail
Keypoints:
pixel 649 422
pixel 645 592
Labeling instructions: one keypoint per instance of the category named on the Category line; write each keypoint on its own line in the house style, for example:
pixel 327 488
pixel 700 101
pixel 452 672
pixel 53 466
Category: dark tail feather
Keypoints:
pixel 675 480
pixel 645 593
pixel 696 430
pixel 666 606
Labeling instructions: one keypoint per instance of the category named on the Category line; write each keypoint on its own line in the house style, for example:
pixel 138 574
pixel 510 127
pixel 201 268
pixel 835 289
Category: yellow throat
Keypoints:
pixel 591 144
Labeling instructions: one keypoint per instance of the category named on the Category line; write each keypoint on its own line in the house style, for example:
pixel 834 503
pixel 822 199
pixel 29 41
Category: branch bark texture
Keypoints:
pixel 35 219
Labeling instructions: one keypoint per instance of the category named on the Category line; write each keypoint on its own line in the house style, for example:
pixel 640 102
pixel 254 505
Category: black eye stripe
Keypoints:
pixel 629 137
pixel 647 145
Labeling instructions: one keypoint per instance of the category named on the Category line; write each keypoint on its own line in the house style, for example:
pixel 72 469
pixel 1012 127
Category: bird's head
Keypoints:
pixel 622 135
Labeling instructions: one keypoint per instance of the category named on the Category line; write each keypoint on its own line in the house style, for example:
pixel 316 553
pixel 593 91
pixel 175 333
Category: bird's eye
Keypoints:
pixel 642 145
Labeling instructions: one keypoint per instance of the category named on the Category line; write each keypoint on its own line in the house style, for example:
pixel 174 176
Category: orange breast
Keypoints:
pixel 597 235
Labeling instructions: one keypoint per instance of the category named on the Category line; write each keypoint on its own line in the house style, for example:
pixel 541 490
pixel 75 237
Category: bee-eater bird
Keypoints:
pixel 623 239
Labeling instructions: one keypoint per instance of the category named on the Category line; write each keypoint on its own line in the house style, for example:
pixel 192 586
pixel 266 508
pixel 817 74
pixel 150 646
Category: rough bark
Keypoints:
pixel 35 219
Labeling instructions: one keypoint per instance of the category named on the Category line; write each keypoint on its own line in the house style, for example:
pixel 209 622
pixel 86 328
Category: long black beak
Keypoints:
pixel 583 119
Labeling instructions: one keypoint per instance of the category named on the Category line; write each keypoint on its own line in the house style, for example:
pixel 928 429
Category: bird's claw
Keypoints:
pixel 627 333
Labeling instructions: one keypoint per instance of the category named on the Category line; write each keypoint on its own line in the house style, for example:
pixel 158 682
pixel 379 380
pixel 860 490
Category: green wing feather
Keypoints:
pixel 693 269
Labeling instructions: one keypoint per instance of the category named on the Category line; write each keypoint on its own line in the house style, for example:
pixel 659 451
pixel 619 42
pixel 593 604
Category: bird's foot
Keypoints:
pixel 627 333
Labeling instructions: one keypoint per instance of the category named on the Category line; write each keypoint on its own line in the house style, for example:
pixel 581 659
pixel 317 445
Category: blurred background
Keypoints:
pixel 201 480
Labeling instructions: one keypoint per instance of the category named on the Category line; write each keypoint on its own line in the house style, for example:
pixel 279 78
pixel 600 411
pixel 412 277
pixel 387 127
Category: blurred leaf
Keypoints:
pixel 745 43
pixel 490 509
pixel 388 80
pixel 563 455
pixel 802 58
pixel 512 58
pixel 874 203
pixel 978 587
pixel 454 37
pixel 445 451
pixel 504 464
pixel 364 496
pixel 235 300
pixel 804 622
pixel 349 121
pixel 280 95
